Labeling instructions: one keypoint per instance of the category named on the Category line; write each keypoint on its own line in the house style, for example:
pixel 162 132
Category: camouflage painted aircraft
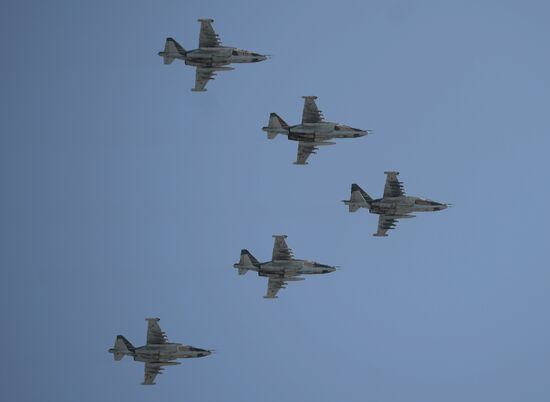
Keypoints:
pixel 210 57
pixel 393 205
pixel 313 132
pixel 158 352
pixel 281 269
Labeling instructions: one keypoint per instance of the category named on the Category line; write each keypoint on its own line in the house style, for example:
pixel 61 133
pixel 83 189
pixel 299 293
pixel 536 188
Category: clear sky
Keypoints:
pixel 125 195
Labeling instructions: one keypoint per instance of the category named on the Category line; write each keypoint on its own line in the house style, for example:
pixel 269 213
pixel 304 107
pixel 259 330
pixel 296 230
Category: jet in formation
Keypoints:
pixel 393 205
pixel 313 132
pixel 157 353
pixel 210 57
pixel 281 269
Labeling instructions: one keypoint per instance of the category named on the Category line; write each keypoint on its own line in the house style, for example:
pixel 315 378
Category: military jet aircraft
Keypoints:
pixel 393 205
pixel 281 269
pixel 313 132
pixel 158 352
pixel 210 57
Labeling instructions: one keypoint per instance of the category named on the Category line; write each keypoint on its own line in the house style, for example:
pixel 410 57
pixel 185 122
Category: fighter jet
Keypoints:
pixel 313 132
pixel 281 269
pixel 393 205
pixel 158 352
pixel 210 57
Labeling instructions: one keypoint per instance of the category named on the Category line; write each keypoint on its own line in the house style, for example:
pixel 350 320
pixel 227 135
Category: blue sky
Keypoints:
pixel 125 195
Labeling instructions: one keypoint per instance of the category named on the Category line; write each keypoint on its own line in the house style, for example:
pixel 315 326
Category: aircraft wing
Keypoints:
pixel 155 336
pixel 393 187
pixel 304 151
pixel 154 368
pixel 311 113
pixel 205 74
pixel 202 76
pixel 208 37
pixel 273 287
pixel 281 252
pixel 385 223
pixel 151 371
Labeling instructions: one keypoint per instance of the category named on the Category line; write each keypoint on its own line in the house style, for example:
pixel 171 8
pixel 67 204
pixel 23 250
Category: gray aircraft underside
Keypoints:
pixel 283 268
pixel 210 57
pixel 312 133
pixel 157 353
pixel 393 205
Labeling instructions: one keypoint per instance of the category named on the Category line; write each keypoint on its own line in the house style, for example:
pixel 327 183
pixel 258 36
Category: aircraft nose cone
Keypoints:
pixel 258 57
pixel 359 132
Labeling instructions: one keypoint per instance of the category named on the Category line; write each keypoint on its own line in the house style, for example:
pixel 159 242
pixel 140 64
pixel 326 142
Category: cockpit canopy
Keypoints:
pixel 241 52
pixel 425 202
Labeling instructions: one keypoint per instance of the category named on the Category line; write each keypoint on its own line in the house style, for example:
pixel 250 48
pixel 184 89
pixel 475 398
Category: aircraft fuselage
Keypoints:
pixel 294 267
pixel 323 131
pixel 220 56
pixel 402 206
pixel 167 351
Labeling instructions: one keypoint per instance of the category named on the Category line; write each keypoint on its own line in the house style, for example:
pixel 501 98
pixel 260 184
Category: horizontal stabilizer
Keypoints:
pixel 358 199
pixel 121 348
pixel 172 50
pixel 352 207
pixel 276 126
pixel 247 259
pixel 167 59
pixel 358 190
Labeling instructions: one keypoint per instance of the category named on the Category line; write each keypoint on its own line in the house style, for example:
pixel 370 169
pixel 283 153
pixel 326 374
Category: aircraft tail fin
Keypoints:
pixel 122 347
pixel 276 126
pixel 247 259
pixel 356 189
pixel 172 50
pixel 358 199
